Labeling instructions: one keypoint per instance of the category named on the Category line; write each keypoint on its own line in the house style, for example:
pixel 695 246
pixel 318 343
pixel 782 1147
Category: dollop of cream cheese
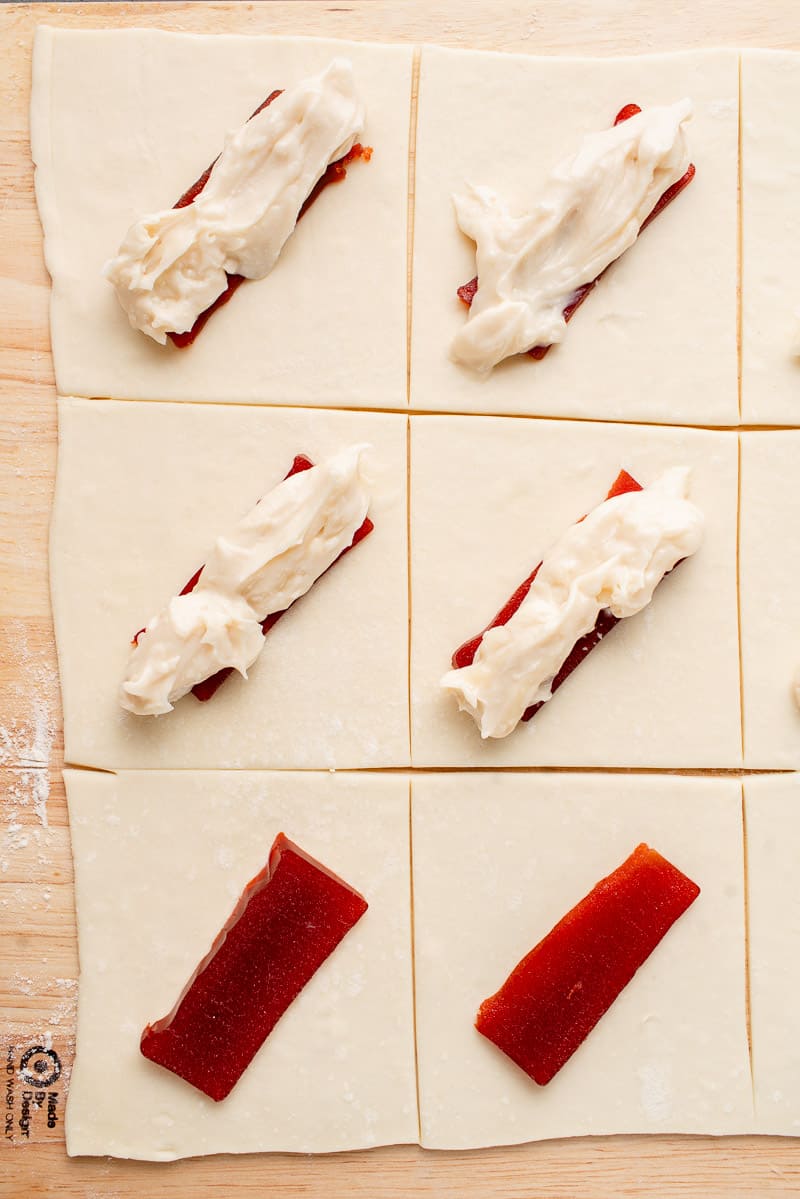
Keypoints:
pixel 172 265
pixel 614 559
pixel 269 560
pixel 590 211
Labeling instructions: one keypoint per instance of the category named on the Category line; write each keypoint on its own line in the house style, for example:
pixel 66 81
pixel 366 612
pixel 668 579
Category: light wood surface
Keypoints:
pixel 38 954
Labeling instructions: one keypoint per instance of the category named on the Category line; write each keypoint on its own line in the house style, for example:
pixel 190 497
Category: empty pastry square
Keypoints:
pixel 143 492
pixel 489 496
pixel 769 561
pixel 770 238
pixel 161 859
pixel 773 848
pixel 498 860
pixel 656 340
pixel 123 122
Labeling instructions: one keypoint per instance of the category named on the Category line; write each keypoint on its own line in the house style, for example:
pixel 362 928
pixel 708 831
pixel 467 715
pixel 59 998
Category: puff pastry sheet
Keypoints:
pixel 142 493
pixel 122 122
pixel 769 561
pixel 160 860
pixel 498 860
pixel 488 497
pixel 656 340
pixel 773 846
pixel 770 238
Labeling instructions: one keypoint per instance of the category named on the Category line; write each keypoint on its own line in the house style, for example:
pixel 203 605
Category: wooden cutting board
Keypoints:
pixel 38 952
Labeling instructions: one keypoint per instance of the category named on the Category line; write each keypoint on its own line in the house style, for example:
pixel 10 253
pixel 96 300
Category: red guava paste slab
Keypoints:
pixel 289 919
pixel 204 690
pixel 335 172
pixel 465 654
pixel 553 998
pixel 466 293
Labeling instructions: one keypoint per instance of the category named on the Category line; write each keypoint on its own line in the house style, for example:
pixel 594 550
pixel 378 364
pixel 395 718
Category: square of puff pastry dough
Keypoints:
pixel 489 496
pixel 142 493
pixel 769 561
pixel 773 849
pixel 122 122
pixel 499 859
pixel 656 340
pixel 161 859
pixel 770 237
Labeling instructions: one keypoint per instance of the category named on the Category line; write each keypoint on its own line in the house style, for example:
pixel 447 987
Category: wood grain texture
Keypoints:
pixel 38 955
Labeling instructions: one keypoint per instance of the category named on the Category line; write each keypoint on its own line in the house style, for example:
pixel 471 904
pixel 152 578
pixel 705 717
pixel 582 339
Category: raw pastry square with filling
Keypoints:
pixel 143 493
pixel 656 340
pixel 770 237
pixel 773 847
pixel 123 122
pixel 160 860
pixel 769 560
pixel 489 496
pixel 499 859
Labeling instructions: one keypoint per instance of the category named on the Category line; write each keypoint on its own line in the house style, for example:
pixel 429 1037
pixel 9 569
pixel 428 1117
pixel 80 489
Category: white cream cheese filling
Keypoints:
pixel 269 560
pixel 614 559
pixel 590 211
pixel 172 265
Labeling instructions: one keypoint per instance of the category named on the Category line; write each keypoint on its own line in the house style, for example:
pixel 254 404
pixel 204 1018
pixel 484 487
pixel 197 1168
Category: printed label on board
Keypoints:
pixel 33 1086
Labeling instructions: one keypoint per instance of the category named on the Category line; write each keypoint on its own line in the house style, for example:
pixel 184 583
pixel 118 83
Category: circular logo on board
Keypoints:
pixel 40 1067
